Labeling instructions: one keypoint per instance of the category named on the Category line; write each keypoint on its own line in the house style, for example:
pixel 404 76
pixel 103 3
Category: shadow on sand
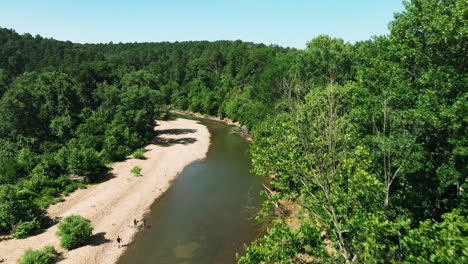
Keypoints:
pixel 99 239
pixel 175 131
pixel 104 176
pixel 167 142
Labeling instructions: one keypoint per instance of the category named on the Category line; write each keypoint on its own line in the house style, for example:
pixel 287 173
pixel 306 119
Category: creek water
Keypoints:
pixel 207 214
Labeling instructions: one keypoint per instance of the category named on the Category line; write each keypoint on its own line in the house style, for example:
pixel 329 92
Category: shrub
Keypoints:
pixel 43 201
pixel 58 200
pixel 62 182
pixel 49 191
pixel 74 231
pixel 9 170
pixel 37 180
pixel 139 154
pixel 15 206
pixel 28 228
pixel 84 161
pixel 136 171
pixel 44 256
pixel 72 187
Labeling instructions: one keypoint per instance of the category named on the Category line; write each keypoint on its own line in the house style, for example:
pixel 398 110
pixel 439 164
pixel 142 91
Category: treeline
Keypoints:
pixel 375 158
pixel 222 78
pixel 62 115
pixel 70 109
pixel 368 140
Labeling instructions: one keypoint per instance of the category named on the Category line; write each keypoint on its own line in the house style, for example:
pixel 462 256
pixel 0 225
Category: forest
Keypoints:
pixel 365 144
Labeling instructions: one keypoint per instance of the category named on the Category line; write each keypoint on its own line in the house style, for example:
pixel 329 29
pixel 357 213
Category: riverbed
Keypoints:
pixel 206 216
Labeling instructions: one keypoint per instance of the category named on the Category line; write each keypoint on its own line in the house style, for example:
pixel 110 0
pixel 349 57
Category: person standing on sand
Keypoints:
pixel 118 240
pixel 135 222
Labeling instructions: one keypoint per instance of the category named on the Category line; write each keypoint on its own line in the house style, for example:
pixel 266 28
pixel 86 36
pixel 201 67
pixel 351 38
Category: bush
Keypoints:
pixel 43 200
pixel 45 256
pixel 72 187
pixel 49 191
pixel 84 161
pixel 15 206
pixel 74 231
pixel 139 154
pixel 62 182
pixel 136 171
pixel 37 180
pixel 28 228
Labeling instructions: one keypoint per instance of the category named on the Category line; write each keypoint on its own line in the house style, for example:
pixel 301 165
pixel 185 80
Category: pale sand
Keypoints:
pixel 112 205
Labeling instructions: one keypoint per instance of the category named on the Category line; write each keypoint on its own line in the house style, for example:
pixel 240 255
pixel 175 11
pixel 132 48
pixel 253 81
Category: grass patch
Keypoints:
pixel 139 154
pixel 136 171
pixel 45 256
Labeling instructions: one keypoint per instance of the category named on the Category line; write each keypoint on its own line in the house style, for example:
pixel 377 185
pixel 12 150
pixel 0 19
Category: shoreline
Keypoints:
pixel 112 205
pixel 244 132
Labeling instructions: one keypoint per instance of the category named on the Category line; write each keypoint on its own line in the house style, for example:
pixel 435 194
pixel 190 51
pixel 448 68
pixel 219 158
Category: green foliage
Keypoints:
pixel 9 170
pixel 139 154
pixel 136 171
pixel 27 160
pixel 368 138
pixel 432 242
pixel 44 256
pixel 4 81
pixel 330 60
pixel 28 228
pixel 248 112
pixel 39 105
pixel 118 133
pixel 280 244
pixel 72 187
pixel 367 159
pixel 74 231
pixel 142 78
pixel 317 154
pixel 85 161
pixel 276 247
pixel 15 206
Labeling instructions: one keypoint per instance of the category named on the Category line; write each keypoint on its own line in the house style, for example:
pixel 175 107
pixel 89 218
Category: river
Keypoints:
pixel 206 215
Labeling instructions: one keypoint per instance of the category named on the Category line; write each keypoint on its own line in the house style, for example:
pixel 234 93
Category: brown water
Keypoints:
pixel 206 215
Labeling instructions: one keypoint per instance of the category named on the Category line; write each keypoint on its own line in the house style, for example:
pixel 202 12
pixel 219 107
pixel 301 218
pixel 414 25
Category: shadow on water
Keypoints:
pixel 206 215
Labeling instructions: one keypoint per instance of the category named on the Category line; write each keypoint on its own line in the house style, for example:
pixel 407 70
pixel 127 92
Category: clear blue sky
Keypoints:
pixel 286 23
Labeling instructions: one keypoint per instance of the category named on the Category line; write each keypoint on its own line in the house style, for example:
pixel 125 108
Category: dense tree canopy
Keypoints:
pixel 375 152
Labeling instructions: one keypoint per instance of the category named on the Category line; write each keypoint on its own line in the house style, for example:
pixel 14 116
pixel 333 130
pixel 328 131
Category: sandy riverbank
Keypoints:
pixel 112 205
pixel 243 131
